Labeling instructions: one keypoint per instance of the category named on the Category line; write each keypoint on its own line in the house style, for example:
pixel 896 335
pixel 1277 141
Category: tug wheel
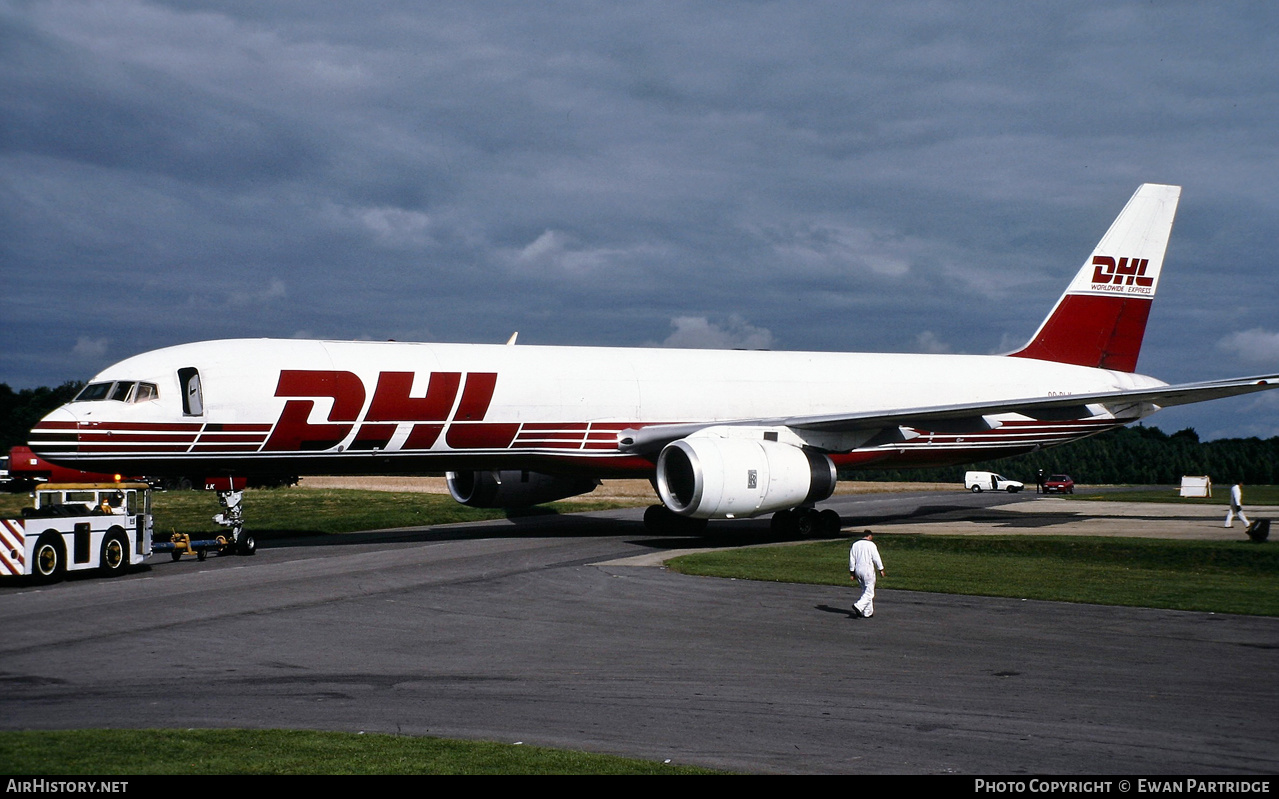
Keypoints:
pixel 115 555
pixel 49 560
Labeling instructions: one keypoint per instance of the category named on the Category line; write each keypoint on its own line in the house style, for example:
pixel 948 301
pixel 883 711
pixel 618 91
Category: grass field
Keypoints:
pixel 1252 495
pixel 143 752
pixel 1222 577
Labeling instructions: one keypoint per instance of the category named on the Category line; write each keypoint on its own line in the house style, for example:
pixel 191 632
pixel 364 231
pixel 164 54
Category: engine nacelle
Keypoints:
pixel 514 488
pixel 726 478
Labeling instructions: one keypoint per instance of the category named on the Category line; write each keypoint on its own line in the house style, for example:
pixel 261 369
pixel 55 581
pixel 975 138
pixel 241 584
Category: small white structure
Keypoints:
pixel 1196 486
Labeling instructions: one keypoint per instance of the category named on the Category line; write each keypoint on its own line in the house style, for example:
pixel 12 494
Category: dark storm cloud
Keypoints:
pixel 911 176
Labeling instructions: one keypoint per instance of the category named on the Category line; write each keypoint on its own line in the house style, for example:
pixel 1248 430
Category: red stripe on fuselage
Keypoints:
pixel 55 426
pixel 482 435
pixel 159 427
pixel 109 436
pixel 423 436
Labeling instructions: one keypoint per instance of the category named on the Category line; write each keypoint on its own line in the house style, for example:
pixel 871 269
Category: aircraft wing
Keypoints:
pixel 1055 408
pixel 973 417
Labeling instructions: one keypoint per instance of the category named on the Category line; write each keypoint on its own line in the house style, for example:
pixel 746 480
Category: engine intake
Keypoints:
pixel 514 488
pixel 725 478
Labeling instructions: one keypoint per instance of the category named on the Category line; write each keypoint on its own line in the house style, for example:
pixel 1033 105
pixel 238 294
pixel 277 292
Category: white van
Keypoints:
pixel 978 482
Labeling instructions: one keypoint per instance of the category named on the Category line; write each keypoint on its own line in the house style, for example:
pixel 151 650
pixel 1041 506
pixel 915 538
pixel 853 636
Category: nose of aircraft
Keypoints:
pixel 55 434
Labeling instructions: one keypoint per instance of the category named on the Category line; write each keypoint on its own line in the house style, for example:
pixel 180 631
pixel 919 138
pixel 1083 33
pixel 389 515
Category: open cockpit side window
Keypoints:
pixel 144 392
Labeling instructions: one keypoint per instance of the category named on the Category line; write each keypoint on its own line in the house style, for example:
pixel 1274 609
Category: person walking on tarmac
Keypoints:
pixel 1236 506
pixel 863 562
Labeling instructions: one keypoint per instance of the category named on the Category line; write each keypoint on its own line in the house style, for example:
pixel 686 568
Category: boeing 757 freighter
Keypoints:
pixel 721 434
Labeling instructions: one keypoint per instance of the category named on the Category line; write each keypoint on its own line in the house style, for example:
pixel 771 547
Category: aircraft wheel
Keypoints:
pixel 115 555
pixel 246 545
pixel 830 522
pixel 782 523
pixel 976 489
pixel 662 520
pixel 49 561
pixel 655 518
pixel 806 522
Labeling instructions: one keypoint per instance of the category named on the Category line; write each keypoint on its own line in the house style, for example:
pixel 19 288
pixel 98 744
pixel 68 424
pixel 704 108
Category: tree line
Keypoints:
pixel 1137 454
pixel 20 410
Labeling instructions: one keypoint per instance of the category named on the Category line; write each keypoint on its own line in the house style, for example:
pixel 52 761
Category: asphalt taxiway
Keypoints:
pixel 541 630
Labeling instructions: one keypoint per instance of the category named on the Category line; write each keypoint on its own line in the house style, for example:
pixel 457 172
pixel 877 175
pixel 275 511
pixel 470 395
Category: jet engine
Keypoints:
pixel 514 488
pixel 726 478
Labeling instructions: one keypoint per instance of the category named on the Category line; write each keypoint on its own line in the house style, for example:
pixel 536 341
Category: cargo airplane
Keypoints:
pixel 721 434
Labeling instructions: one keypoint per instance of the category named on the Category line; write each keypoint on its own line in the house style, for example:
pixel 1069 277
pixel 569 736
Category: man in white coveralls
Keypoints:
pixel 1236 506
pixel 863 562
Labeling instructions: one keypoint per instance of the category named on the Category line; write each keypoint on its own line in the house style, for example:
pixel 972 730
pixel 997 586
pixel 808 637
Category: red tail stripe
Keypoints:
pixel 1090 330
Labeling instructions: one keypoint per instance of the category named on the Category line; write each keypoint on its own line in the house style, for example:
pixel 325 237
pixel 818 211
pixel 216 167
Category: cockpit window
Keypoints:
pixel 94 391
pixel 118 391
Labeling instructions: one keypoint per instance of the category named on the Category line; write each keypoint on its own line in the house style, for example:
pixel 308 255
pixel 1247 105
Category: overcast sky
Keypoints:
pixel 906 176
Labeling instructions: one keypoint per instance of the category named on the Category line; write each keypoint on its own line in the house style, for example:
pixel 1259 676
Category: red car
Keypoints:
pixel 1059 484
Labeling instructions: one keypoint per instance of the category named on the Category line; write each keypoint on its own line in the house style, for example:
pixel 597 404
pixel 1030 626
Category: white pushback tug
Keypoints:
pixel 78 527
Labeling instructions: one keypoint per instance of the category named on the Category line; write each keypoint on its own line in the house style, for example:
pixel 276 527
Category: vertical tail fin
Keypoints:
pixel 1101 319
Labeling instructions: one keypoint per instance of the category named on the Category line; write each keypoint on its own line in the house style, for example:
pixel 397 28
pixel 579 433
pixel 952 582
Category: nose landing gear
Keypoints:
pixel 241 542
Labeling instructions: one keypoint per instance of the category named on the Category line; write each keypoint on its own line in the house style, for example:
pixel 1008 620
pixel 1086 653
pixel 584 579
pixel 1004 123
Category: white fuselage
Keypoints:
pixel 358 406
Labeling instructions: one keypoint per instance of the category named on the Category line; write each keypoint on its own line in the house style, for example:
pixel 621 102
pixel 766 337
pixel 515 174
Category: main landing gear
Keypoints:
pixel 793 523
pixel 806 523
pixel 660 519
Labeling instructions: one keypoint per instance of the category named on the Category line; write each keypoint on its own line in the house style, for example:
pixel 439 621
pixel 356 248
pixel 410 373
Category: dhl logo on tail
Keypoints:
pixel 1128 271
